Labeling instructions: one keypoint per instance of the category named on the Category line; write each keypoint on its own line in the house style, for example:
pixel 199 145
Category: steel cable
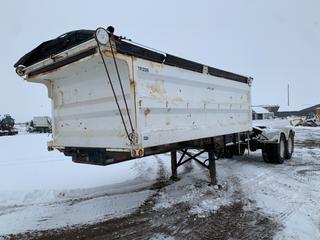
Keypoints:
pixel 123 95
pixel 113 91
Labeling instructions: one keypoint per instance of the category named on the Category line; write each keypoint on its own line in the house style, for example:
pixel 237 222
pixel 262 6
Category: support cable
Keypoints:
pixel 113 91
pixel 122 91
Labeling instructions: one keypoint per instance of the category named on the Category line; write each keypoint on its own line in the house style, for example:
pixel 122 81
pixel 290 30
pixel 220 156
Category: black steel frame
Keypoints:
pixel 211 166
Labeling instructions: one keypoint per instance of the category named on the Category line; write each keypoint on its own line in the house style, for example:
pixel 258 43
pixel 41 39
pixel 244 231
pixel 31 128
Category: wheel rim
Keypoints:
pixel 282 148
pixel 290 145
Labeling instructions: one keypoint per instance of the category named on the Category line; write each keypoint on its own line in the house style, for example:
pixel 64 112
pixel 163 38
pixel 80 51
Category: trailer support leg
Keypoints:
pixel 174 165
pixel 212 167
pixel 187 156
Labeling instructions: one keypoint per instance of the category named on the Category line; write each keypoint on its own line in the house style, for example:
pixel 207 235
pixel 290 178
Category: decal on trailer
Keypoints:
pixel 143 69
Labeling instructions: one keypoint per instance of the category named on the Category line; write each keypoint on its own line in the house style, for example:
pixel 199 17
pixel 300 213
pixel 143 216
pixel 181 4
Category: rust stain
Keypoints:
pixel 133 83
pixel 62 67
pixel 147 111
pixel 168 123
pixel 132 87
pixel 134 58
pixel 156 89
pixel 56 58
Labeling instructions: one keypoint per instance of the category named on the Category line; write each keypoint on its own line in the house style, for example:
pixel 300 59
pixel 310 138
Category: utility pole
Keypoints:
pixel 288 95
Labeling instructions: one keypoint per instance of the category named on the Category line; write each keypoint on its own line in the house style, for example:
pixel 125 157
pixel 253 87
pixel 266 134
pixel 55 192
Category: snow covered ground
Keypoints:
pixel 42 190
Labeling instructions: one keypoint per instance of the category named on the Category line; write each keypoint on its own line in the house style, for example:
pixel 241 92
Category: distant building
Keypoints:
pixel 270 108
pixel 260 113
pixel 298 111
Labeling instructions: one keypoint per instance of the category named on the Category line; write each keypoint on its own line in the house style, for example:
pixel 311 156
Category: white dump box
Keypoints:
pixel 170 100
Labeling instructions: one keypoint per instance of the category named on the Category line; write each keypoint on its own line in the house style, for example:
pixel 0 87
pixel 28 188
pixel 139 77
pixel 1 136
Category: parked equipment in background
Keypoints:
pixel 114 100
pixel 306 122
pixel 40 125
pixel 7 125
pixel 312 120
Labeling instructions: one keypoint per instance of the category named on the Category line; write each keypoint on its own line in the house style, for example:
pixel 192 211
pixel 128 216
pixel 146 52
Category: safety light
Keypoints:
pixel 102 36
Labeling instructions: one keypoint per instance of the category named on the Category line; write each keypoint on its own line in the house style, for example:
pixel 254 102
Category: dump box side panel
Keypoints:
pixel 83 106
pixel 176 105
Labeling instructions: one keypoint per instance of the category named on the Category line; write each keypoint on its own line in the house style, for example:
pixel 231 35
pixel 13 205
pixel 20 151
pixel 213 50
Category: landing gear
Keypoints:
pixel 211 165
pixel 174 166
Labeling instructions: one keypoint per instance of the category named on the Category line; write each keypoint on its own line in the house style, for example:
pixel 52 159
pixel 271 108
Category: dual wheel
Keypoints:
pixel 278 152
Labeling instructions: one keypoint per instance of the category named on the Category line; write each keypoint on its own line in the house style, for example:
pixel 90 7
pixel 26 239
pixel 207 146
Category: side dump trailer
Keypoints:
pixel 113 100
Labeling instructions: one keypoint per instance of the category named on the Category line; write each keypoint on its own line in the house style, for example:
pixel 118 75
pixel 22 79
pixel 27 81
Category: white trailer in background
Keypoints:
pixel 113 100
pixel 40 124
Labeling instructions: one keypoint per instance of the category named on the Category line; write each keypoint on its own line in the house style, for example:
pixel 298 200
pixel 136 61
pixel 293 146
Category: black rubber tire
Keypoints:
pixel 289 146
pixel 275 153
pixel 265 155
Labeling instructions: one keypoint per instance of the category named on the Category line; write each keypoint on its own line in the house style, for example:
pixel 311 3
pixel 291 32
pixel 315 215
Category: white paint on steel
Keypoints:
pixel 177 105
pixel 167 104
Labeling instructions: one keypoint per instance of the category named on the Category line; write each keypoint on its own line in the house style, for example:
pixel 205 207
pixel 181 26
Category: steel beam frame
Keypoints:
pixel 211 166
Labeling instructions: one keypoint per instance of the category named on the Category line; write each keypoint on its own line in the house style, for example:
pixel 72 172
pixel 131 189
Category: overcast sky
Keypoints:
pixel 276 42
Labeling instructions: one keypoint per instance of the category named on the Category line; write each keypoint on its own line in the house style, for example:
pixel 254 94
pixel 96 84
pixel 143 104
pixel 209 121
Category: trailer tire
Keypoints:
pixel 278 151
pixel 265 154
pixel 289 146
pixel 275 153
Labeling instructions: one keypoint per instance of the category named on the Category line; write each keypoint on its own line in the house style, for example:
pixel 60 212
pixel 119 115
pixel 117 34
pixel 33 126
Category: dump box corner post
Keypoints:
pixel 174 166
pixel 212 165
